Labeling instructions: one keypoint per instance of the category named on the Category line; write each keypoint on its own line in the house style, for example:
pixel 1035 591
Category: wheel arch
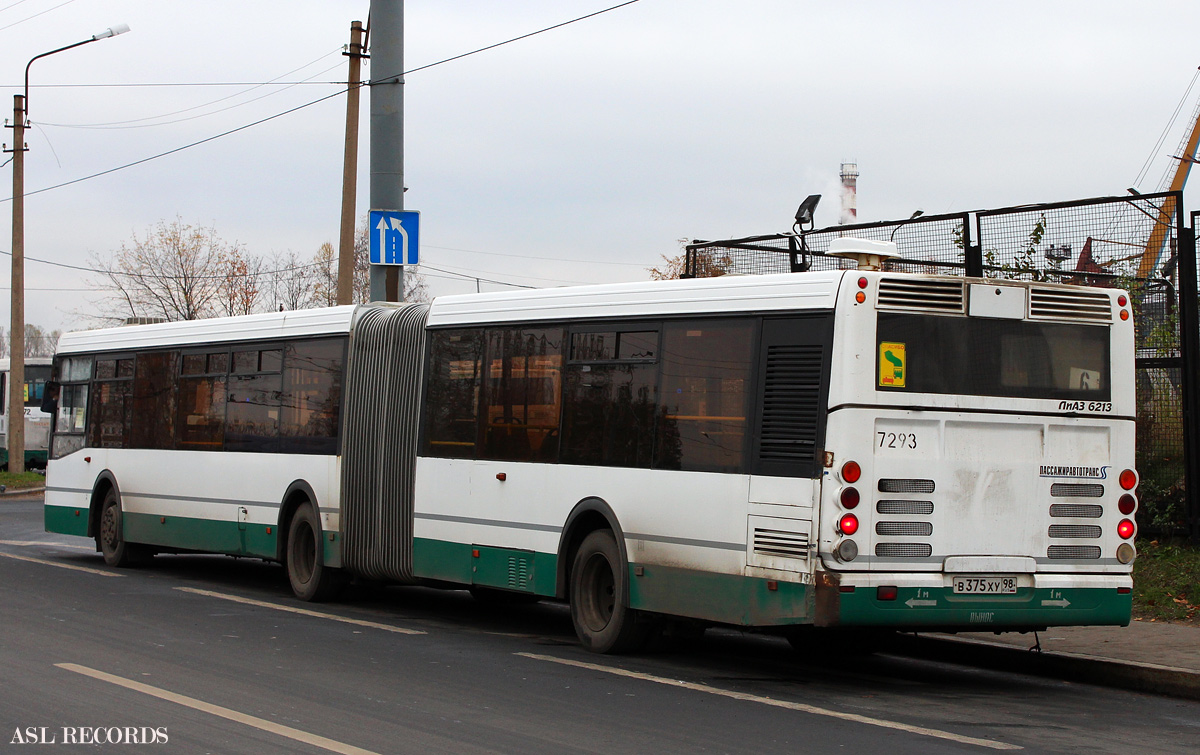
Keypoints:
pixel 297 494
pixel 105 481
pixel 589 515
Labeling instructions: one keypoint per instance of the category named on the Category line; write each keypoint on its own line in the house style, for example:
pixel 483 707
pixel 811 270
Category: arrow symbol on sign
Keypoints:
pixel 382 227
pixel 914 603
pixel 398 226
pixel 1062 603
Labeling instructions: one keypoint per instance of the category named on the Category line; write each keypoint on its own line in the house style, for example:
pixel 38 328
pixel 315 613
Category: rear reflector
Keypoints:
pixel 845 588
pixel 885 593
pixel 1124 590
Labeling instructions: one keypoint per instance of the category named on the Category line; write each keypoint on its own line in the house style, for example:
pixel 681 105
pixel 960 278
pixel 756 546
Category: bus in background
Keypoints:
pixel 37 422
pixel 846 448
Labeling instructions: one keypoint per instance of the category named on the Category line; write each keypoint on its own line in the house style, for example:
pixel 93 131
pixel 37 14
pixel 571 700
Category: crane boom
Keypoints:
pixel 1166 212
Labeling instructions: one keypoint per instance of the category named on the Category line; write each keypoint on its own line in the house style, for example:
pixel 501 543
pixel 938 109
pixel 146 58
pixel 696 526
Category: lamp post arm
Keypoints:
pixel 45 54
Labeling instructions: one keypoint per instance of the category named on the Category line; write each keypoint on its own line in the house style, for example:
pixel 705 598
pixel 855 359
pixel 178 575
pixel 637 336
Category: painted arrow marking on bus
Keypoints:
pixel 1062 603
pixel 914 603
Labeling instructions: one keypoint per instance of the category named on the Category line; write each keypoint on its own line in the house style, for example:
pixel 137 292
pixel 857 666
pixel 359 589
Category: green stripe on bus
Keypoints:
pixel 66 520
pixel 505 568
pixel 725 598
pixel 925 606
pixel 209 535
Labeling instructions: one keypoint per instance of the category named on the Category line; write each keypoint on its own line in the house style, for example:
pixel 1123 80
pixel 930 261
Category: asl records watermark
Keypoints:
pixel 90 735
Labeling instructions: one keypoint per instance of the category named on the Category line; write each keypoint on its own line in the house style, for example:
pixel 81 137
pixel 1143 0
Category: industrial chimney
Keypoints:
pixel 849 193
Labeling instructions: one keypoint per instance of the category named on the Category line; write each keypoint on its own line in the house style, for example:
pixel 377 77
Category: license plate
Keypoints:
pixel 984 585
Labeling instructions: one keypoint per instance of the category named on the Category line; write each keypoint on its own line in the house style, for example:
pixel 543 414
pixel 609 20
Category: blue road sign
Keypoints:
pixel 394 235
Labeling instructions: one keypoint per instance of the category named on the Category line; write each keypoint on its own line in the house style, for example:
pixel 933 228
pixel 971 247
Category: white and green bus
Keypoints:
pixel 846 448
pixel 37 422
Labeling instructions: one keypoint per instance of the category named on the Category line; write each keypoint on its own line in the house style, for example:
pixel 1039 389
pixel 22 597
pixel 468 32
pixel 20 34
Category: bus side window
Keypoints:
pixel 312 396
pixel 706 370
pixel 112 410
pixel 452 398
pixel 155 391
pixel 523 394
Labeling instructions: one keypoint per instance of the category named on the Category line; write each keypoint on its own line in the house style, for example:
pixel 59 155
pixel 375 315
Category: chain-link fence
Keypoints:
pixel 1129 242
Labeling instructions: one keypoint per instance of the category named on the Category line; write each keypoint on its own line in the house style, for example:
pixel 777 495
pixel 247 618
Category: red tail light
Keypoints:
pixel 1127 504
pixel 1122 300
pixel 849 498
pixel 1125 529
pixel 862 282
pixel 848 524
pixel 851 471
pixel 1128 479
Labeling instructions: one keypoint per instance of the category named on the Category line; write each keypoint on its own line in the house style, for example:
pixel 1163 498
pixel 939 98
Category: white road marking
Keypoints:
pixel 921 730
pixel 302 611
pixel 61 566
pixel 28 543
pixel 216 710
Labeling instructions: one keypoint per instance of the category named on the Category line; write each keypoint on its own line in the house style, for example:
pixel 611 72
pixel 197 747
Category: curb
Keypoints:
pixel 1076 667
pixel 21 491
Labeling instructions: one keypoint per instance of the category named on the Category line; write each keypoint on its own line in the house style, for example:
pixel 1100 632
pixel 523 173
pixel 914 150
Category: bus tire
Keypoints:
pixel 600 610
pixel 110 534
pixel 310 579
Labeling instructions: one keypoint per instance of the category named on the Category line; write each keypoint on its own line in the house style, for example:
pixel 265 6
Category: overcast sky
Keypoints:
pixel 582 154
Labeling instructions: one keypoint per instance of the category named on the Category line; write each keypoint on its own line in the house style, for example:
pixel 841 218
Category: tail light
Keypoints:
pixel 849 497
pixel 848 524
pixel 1128 479
pixel 1125 528
pixel 851 472
pixel 847 550
pixel 1127 504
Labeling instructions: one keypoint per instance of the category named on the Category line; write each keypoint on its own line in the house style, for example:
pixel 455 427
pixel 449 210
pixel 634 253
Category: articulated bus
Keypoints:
pixel 836 449
pixel 37 422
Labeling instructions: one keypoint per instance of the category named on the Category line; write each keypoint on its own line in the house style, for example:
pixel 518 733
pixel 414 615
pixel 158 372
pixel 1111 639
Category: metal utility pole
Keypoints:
pixel 16 336
pixel 345 284
pixel 387 130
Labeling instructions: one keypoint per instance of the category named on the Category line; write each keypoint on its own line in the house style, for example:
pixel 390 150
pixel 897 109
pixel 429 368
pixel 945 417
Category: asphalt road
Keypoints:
pixel 213 654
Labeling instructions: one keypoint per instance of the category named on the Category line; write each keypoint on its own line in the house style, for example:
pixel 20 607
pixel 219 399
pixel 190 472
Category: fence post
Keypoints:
pixel 1189 347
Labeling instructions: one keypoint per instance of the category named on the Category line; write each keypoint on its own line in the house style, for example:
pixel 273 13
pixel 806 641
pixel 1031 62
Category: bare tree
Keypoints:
pixel 324 274
pixel 40 342
pixel 290 282
pixel 176 271
pixel 242 288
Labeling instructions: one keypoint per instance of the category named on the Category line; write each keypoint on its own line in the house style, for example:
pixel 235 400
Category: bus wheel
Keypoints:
pixel 310 578
pixel 111 538
pixel 603 620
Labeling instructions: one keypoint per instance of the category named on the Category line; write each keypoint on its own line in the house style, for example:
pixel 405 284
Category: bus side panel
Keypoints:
pixel 684 531
pixel 218 502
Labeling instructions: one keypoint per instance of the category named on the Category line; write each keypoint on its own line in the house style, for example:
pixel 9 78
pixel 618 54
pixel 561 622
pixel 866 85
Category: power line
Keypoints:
pixel 310 104
pixel 532 257
pixel 125 124
pixel 35 15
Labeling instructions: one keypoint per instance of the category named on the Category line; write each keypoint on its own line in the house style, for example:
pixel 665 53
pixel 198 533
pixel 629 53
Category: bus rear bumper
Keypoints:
pixel 928 601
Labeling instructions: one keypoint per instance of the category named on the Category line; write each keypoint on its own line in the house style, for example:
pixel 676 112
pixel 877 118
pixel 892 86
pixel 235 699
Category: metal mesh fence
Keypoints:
pixel 1126 242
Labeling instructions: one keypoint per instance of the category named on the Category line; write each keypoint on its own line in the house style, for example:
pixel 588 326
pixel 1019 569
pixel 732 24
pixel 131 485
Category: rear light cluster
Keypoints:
pixel 849 498
pixel 860 296
pixel 1127 504
pixel 1122 301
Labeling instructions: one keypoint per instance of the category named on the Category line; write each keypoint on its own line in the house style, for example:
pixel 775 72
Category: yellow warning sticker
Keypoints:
pixel 891 365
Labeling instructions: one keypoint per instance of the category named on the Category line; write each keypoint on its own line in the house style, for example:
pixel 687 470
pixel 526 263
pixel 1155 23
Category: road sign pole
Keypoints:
pixel 387 129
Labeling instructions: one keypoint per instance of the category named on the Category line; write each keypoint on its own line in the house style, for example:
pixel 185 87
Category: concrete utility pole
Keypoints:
pixel 345 285
pixel 16 331
pixel 387 130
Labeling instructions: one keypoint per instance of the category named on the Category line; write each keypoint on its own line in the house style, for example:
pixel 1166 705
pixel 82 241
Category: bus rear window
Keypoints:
pixel 985 357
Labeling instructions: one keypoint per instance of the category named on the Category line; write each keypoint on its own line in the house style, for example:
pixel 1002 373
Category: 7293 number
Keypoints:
pixel 897 440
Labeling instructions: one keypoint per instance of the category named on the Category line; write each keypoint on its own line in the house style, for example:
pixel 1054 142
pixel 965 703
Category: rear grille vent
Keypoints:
pixel 936 295
pixel 889 485
pixel 791 403
pixel 911 529
pixel 904 507
pixel 780 543
pixel 1057 304
pixel 905 550
pixel 1074 530
pixel 1081 510
pixel 1076 490
pixel 1073 551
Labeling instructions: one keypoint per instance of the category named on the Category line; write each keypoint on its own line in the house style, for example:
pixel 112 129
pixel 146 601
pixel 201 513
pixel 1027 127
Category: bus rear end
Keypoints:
pixel 979 456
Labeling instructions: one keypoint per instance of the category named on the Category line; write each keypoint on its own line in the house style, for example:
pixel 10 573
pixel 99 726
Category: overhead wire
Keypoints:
pixel 310 104
pixel 35 15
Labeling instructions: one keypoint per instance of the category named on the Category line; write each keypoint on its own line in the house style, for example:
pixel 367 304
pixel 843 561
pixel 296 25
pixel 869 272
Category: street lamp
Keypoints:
pixel 16 340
